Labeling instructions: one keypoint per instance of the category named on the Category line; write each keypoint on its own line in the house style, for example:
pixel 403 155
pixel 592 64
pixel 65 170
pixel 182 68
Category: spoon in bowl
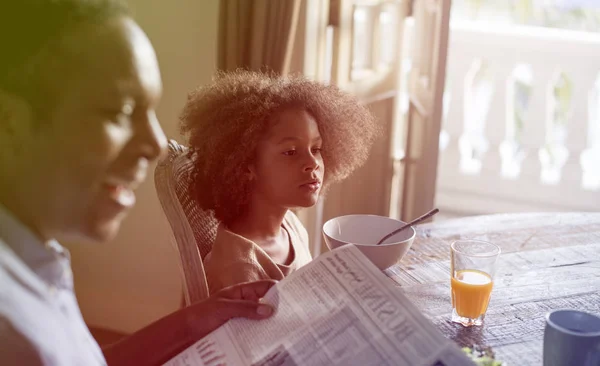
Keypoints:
pixel 413 222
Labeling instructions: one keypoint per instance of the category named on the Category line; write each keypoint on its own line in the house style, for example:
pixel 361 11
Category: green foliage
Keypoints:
pixel 481 356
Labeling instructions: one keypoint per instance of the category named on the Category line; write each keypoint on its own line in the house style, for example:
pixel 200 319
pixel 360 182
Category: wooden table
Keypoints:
pixel 548 261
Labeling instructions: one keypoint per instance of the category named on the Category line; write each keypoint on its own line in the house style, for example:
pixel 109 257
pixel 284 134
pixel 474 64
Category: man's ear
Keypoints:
pixel 16 120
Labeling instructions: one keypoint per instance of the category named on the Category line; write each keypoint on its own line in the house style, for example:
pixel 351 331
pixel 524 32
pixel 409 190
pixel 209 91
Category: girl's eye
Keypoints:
pixel 316 150
pixel 290 153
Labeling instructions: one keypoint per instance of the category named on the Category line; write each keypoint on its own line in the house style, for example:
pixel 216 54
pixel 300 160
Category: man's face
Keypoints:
pixel 94 147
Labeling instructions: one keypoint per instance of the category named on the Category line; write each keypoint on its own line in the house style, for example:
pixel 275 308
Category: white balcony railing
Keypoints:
pixel 522 121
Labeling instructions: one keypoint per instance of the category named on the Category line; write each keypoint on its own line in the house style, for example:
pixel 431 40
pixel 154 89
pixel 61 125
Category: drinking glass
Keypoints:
pixel 472 268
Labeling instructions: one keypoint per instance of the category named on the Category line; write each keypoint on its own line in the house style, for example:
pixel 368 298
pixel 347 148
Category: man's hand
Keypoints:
pixel 172 334
pixel 242 300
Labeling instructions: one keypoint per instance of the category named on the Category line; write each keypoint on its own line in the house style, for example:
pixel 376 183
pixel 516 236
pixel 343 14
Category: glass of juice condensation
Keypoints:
pixel 472 267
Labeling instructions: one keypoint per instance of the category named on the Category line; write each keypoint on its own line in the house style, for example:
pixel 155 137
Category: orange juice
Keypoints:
pixel 471 291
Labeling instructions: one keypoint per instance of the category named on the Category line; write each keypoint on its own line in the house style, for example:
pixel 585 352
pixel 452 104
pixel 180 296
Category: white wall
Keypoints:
pixel 134 280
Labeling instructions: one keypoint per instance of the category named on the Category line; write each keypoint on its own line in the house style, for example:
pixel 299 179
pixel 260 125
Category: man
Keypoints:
pixel 79 83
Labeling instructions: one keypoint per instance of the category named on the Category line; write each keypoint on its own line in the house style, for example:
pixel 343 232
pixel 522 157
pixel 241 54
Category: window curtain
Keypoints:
pixel 257 34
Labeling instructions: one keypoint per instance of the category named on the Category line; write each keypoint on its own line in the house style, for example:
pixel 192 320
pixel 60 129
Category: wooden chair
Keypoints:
pixel 194 229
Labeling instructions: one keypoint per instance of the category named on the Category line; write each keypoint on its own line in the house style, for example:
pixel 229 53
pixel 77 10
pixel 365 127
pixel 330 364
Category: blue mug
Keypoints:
pixel 572 338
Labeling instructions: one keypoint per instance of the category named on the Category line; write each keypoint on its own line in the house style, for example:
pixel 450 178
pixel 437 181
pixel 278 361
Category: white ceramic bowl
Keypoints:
pixel 364 231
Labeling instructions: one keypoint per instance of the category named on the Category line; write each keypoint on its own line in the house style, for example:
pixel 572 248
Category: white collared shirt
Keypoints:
pixel 40 320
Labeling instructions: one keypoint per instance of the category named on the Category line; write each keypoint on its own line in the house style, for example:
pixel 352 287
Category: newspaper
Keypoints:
pixel 338 310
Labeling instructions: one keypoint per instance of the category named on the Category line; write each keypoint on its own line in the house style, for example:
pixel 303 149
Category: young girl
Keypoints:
pixel 264 145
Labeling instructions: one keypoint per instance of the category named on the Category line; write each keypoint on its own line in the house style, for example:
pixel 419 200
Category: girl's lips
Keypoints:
pixel 313 187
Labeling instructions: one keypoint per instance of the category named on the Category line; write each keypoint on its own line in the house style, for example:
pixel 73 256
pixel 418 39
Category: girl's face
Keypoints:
pixel 288 171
